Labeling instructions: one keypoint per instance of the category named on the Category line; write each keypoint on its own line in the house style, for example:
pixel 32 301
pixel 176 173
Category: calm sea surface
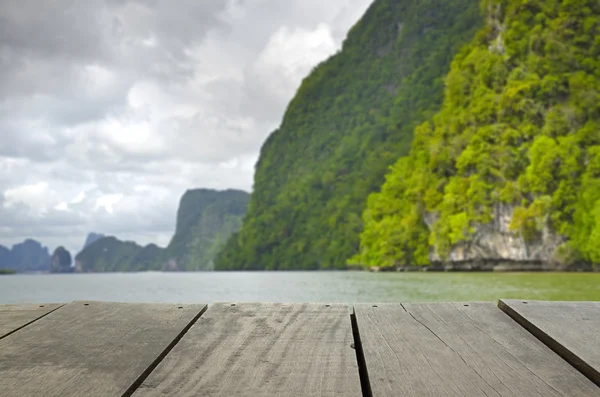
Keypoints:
pixel 343 287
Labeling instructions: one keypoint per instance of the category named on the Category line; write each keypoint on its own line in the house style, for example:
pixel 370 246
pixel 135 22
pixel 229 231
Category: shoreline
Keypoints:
pixel 453 268
pixel 500 266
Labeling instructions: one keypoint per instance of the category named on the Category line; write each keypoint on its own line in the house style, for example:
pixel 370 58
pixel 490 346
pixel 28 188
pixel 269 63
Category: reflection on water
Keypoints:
pixel 345 287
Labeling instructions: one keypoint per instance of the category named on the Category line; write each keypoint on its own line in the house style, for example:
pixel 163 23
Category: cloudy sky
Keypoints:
pixel 111 109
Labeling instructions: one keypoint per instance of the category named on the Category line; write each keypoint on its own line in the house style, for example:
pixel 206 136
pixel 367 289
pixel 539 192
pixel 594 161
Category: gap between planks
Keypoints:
pixel 363 372
pixel 266 349
pixel 129 392
pixel 560 349
pixel 88 354
pixel 557 363
pixel 32 321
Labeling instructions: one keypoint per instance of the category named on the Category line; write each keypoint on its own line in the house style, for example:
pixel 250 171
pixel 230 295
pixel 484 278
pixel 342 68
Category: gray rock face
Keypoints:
pixel 496 242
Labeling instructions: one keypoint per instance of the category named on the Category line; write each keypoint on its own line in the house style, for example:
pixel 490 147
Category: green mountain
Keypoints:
pixel 61 261
pixel 92 237
pixel 205 220
pixel 28 256
pixel 509 169
pixel 5 257
pixel 108 254
pixel 349 121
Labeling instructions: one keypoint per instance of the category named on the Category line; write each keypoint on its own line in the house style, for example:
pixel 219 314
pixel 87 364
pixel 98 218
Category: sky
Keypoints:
pixel 111 109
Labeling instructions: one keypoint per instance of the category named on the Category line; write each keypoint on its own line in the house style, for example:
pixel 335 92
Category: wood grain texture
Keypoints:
pixel 15 317
pixel 89 348
pixel 571 329
pixel 261 350
pixel 455 349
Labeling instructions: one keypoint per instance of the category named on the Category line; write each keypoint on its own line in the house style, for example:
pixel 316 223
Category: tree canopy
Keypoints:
pixel 351 118
pixel 519 126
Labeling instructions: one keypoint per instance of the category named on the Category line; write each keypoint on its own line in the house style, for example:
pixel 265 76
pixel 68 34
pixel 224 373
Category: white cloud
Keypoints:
pixel 289 56
pixel 111 109
pixel 33 195
pixel 107 202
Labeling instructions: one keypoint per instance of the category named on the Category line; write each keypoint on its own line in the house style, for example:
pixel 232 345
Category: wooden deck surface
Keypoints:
pixel 571 329
pixel 261 350
pixel 89 348
pixel 275 349
pixel 15 317
pixel 459 349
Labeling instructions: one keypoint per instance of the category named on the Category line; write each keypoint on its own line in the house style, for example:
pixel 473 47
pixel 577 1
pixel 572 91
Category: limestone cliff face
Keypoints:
pixel 496 242
pixel 61 261
pixel 28 256
pixel 205 220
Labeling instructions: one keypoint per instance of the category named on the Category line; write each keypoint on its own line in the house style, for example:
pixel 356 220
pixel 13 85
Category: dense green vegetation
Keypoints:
pixel 5 257
pixel 350 119
pixel 6 271
pixel 205 220
pixel 108 254
pixel 92 237
pixel 61 261
pixel 28 256
pixel 519 126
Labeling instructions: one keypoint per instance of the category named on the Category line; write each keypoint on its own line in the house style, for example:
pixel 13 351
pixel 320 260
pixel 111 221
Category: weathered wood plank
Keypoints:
pixel 15 317
pixel 455 349
pixel 571 329
pixel 261 350
pixel 90 348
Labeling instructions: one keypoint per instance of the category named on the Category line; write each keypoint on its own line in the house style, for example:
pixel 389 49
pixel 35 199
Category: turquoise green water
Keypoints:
pixel 344 287
pixel 492 286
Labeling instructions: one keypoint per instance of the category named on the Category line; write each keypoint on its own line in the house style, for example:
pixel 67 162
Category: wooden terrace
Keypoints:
pixel 513 348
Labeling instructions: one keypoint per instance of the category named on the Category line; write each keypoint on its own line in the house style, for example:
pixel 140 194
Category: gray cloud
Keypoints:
pixel 111 109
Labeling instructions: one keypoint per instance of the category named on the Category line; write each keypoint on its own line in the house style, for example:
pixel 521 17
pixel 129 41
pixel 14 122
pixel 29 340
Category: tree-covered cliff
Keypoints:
pixel 109 254
pixel 28 256
pixel 350 119
pixel 5 257
pixel 91 238
pixel 510 166
pixel 205 220
pixel 61 261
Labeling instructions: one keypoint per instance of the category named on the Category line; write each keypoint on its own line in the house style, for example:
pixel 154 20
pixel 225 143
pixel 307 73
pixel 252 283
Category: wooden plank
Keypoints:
pixel 90 348
pixel 15 317
pixel 571 329
pixel 455 349
pixel 261 350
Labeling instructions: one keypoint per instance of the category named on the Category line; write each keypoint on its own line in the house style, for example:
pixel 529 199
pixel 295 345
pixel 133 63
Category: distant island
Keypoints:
pixel 28 256
pixel 4 272
pixel 31 256
pixel 205 220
